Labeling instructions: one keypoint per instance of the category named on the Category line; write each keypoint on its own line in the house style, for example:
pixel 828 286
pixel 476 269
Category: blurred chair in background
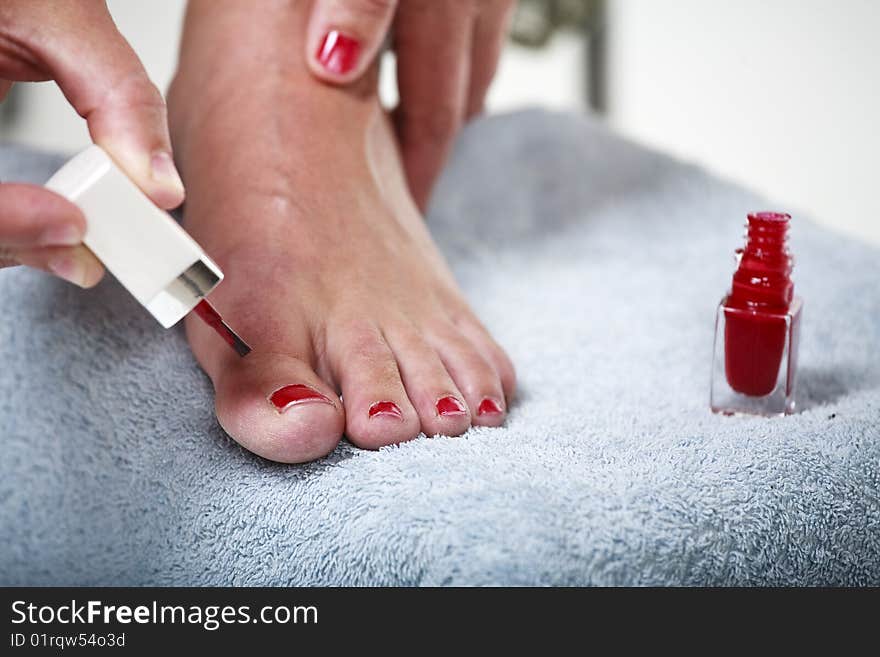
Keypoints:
pixel 535 22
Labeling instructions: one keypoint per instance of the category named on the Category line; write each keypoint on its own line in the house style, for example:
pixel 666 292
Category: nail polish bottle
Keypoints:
pixel 141 245
pixel 754 363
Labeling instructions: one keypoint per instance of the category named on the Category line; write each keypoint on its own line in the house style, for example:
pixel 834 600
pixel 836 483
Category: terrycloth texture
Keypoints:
pixel 598 265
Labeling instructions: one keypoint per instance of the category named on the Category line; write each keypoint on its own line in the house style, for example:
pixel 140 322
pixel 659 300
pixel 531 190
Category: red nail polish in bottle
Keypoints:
pixel 756 328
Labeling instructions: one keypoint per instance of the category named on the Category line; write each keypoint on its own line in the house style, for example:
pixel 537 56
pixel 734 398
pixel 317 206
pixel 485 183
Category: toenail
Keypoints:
pixel 450 406
pixel 387 408
pixel 288 396
pixel 489 407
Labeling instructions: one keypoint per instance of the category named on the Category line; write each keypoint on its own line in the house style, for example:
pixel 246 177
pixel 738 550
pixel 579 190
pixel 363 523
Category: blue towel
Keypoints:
pixel 599 265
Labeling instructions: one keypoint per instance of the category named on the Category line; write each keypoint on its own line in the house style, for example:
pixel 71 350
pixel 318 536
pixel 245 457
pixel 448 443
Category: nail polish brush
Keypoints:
pixel 142 246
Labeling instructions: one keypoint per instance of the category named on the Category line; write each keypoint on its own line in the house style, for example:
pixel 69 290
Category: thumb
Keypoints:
pixel 102 77
pixel 345 35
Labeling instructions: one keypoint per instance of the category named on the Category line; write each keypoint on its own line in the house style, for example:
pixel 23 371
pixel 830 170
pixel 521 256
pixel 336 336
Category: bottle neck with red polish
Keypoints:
pixel 762 281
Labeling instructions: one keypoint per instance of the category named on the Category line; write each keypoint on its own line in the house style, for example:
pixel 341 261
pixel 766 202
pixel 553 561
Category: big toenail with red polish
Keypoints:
pixel 447 406
pixel 489 407
pixel 385 408
pixel 288 396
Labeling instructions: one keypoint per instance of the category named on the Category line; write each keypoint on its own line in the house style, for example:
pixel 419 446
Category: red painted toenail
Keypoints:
pixel 450 406
pixel 338 53
pixel 489 407
pixel 288 396
pixel 385 408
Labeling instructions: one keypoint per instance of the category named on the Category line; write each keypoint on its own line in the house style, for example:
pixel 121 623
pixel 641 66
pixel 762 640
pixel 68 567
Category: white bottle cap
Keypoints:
pixel 141 245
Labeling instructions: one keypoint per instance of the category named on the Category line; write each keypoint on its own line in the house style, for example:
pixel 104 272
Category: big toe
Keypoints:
pixel 277 407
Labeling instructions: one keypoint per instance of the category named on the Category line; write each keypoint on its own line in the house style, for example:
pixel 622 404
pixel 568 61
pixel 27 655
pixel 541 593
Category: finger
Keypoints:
pixel 345 35
pixel 106 83
pixel 75 264
pixel 5 86
pixel 31 216
pixel 490 33
pixel 433 42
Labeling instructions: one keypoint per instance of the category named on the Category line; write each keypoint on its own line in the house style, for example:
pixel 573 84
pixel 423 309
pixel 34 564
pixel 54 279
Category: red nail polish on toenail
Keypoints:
pixel 338 53
pixel 288 396
pixel 387 408
pixel 450 406
pixel 489 407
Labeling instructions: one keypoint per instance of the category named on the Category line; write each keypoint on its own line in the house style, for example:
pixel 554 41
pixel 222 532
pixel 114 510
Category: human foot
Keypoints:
pixel 332 276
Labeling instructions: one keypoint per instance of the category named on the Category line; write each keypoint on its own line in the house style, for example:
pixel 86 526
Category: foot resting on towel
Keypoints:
pixel 296 189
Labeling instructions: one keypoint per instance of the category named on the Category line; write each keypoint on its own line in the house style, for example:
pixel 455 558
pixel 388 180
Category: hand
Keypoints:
pixel 76 44
pixel 447 52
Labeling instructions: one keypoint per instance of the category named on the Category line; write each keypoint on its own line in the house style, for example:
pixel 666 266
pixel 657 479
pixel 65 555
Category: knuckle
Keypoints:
pixel 138 91
pixel 130 91
pixel 438 126
pixel 375 9
pixel 365 343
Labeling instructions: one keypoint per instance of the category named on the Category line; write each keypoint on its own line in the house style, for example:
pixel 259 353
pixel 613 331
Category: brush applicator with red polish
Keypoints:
pixel 148 252
pixel 209 315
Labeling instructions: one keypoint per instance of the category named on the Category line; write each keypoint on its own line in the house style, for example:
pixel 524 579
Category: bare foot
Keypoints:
pixel 296 189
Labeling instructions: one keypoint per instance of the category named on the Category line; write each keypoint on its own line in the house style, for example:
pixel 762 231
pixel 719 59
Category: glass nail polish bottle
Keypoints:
pixel 754 363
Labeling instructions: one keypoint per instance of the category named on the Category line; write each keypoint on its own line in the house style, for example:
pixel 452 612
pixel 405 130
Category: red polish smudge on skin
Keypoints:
pixel 208 314
pixel 338 53
pixel 755 342
pixel 450 406
pixel 489 407
pixel 385 408
pixel 291 395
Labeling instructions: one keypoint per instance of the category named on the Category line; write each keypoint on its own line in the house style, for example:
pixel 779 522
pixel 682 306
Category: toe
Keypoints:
pixel 272 403
pixel 377 409
pixel 474 375
pixel 431 390
pixel 485 344
pixel 277 407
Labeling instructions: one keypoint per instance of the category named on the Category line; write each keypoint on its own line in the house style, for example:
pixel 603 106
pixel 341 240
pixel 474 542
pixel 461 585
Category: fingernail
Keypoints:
pixel 66 235
pixel 164 172
pixel 386 408
pixel 338 53
pixel 489 407
pixel 450 406
pixel 69 268
pixel 288 396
